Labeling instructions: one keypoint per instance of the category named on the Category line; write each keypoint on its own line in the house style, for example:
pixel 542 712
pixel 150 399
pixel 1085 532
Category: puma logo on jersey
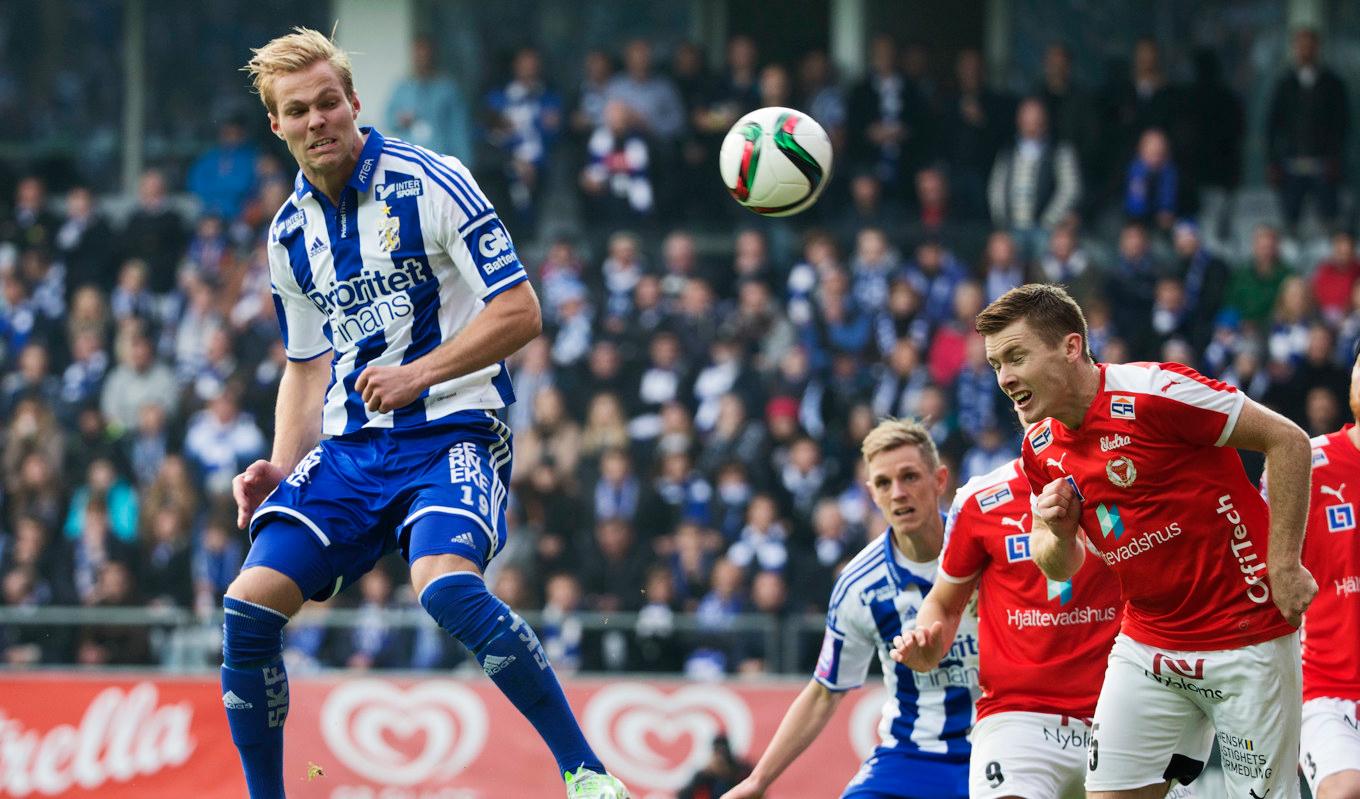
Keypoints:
pixel 1018 524
pixel 1169 384
pixel 1333 492
pixel 1059 463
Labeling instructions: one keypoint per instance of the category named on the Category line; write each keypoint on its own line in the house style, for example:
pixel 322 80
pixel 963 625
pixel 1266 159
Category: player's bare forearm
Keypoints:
pixel 1058 558
pixel 297 412
pixel 511 320
pixel 1289 464
pixel 945 604
pixel 803 722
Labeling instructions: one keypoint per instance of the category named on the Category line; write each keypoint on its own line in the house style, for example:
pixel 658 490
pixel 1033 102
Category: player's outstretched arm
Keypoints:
pixel 1289 462
pixel 509 321
pixel 297 428
pixel 803 722
pixel 922 649
pixel 1056 537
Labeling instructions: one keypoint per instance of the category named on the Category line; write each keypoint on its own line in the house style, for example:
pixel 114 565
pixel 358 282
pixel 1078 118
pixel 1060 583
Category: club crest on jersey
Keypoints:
pixel 994 497
pixel 1041 437
pixel 389 231
pixel 1319 458
pixel 1017 548
pixel 1121 471
pixel 1121 406
pixel 491 248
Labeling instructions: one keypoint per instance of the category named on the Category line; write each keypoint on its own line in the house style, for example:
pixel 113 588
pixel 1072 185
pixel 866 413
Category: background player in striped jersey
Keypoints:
pixel 1031 736
pixel 924 748
pixel 1135 462
pixel 388 259
pixel 1330 742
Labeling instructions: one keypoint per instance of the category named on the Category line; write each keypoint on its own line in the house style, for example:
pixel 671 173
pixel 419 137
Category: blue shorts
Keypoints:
pixel 889 774
pixel 440 488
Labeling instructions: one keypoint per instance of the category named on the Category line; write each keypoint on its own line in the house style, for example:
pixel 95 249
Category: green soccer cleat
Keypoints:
pixel 587 784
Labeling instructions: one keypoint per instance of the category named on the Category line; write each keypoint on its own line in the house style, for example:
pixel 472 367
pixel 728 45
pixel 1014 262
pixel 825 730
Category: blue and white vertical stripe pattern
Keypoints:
pixel 873 601
pixel 401 264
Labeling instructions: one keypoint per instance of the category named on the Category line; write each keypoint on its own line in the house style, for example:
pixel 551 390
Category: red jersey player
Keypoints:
pixel 1136 461
pixel 1042 643
pixel 1330 751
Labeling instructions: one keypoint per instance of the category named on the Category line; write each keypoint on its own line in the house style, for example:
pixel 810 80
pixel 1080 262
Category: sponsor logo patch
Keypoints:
pixel 994 497
pixel 1340 518
pixel 1041 438
pixel 1121 406
pixel 491 248
pixel 1319 458
pixel 1017 548
pixel 400 190
pixel 1110 523
pixel 289 224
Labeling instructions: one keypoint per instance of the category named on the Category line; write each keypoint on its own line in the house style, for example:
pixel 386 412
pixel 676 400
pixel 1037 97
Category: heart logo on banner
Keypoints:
pixel 395 737
pixel 864 721
pixel 628 722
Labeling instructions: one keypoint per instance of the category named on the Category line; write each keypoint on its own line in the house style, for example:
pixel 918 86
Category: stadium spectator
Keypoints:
pixel 1335 277
pixel 1134 104
pixel 112 495
pixel 1151 189
pixel 1205 279
pixel 587 105
pixel 165 572
pixel 977 122
pixel 221 440
pixel 1035 184
pixel 85 244
pixel 375 642
pixel 1134 282
pixel 560 630
pixel 156 235
pixel 658 646
pixel 524 120
pixel 33 378
pixel 612 577
pixel 224 177
pixel 1255 285
pixel 1004 267
pixel 1212 157
pixel 888 121
pixel 429 109
pixel 617 180
pixel 29 225
pixel 1306 129
pixel 114 644
pixel 136 381
pixel 653 103
pixel 821 94
pixel 1069 107
pixel 553 438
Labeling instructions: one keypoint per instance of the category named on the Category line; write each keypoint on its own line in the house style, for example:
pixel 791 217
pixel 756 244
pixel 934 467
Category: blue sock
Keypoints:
pixel 512 657
pixel 255 692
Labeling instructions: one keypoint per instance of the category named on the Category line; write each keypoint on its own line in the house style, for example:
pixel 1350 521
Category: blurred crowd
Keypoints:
pixel 688 426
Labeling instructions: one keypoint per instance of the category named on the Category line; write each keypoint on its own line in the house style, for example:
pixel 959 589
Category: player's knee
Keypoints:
pixel 252 634
pixel 1341 785
pixel 465 609
pixel 263 586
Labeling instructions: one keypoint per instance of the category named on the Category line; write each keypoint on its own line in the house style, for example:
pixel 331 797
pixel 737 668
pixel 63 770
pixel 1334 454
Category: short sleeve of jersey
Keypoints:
pixel 471 233
pixel 964 555
pixel 843 663
pixel 1189 407
pixel 301 323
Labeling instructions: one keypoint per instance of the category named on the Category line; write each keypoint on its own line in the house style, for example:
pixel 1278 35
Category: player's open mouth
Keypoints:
pixel 902 513
pixel 1022 398
pixel 320 144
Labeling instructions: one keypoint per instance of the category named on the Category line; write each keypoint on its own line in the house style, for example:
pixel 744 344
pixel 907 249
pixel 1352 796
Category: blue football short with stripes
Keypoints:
pixel 439 488
pixel 893 774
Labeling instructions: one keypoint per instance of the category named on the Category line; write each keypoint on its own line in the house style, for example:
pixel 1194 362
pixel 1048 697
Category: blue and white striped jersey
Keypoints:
pixel 405 261
pixel 876 597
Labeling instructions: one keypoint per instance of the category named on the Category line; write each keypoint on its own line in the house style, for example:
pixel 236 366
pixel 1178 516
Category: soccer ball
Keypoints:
pixel 775 161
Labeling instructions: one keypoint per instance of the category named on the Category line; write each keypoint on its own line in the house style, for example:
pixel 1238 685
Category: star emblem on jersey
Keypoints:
pixel 389 231
pixel 1110 523
pixel 1061 591
pixel 1121 471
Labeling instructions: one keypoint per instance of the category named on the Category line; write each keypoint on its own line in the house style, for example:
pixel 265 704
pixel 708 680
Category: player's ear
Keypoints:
pixel 274 126
pixel 354 103
pixel 941 478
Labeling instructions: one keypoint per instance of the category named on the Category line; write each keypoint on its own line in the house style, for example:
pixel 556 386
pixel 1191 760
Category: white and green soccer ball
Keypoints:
pixel 775 161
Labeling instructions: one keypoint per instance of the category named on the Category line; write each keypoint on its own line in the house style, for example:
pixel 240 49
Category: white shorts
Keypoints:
pixel 1159 711
pixel 1031 755
pixel 1330 739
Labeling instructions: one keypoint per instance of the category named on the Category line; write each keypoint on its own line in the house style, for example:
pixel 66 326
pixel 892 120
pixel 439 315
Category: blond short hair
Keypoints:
pixel 893 433
pixel 291 53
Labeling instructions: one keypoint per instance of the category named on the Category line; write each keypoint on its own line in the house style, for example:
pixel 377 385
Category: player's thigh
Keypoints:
pixel 1147 730
pixel 1329 750
pixel 1028 755
pixel 1156 791
pixel 320 527
pixel 456 503
pixel 1258 718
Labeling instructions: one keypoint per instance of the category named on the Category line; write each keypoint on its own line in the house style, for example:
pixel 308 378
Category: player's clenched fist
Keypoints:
pixel 386 388
pixel 1060 508
pixel 250 487
pixel 920 649
pixel 1293 589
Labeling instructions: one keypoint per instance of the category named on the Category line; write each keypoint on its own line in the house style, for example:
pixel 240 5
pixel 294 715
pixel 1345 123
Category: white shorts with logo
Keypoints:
pixel 1032 755
pixel 1160 710
pixel 1330 739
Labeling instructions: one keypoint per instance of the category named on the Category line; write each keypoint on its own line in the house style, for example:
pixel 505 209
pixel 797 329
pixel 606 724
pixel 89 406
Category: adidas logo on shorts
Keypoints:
pixel 465 539
pixel 494 664
pixel 234 702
